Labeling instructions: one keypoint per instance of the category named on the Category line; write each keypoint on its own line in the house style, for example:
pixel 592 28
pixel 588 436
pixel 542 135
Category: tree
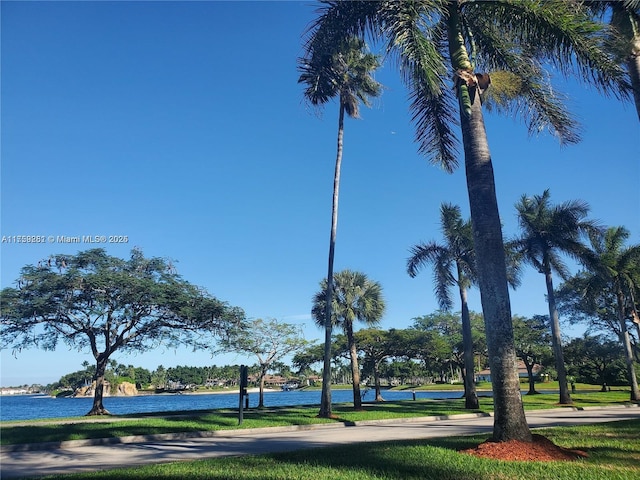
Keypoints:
pixel 607 290
pixel 435 40
pixel 269 341
pixel 354 297
pixel 453 264
pixel 594 359
pixel 159 377
pixel 313 354
pixel 532 343
pixel 548 231
pixel 376 345
pixel 343 70
pixel 444 349
pixel 106 304
pixel 445 345
pixel 624 37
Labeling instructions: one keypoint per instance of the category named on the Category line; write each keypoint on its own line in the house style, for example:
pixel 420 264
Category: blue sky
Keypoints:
pixel 182 126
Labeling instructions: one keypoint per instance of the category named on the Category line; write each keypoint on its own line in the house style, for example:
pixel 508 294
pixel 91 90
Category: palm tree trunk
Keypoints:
pixel 556 341
pixel 510 422
pixel 98 407
pixel 470 395
pixel 628 352
pixel 355 369
pixel 325 401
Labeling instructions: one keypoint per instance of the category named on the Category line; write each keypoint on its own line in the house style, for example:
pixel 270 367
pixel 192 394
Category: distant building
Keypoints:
pixel 14 391
pixel 485 375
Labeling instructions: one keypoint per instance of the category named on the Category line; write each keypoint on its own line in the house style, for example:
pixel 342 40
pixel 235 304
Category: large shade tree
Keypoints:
pixel 532 344
pixel 596 359
pixel 547 233
pixel 343 70
pixel 354 298
pixel 453 265
pixel 105 304
pixel 436 40
pixel 377 346
pixel 443 347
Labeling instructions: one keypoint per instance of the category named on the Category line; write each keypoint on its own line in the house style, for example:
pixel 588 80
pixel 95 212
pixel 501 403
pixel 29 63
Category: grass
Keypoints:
pixel 209 420
pixel 613 449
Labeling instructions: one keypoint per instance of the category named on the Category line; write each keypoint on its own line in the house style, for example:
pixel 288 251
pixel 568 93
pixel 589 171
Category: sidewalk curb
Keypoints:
pixel 25 447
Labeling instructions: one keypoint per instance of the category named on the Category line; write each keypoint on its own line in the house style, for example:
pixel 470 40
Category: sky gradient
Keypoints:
pixel 182 127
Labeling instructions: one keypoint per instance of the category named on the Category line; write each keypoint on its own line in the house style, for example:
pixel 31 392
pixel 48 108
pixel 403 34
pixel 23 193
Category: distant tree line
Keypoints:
pixel 430 351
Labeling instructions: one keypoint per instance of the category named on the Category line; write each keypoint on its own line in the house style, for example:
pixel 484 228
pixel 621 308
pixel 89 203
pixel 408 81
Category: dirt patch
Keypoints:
pixel 541 449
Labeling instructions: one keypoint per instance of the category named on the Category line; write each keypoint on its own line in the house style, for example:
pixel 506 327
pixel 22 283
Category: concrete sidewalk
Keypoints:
pixel 102 454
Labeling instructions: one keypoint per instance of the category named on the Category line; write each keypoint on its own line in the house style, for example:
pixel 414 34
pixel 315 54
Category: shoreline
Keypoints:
pixel 220 392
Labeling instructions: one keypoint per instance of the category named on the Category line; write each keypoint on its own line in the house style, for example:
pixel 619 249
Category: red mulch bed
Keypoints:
pixel 540 450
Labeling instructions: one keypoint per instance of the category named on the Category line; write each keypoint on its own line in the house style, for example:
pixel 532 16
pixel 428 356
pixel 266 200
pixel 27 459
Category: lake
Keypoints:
pixel 31 407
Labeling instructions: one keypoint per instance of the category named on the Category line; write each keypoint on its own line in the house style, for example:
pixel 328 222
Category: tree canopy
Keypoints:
pixel 105 304
pixel 354 297
pixel 269 341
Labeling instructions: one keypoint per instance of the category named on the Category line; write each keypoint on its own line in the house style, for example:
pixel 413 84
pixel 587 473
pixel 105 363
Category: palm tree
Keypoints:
pixel 344 72
pixel 547 232
pixel 617 268
pixel 624 38
pixel 435 40
pixel 354 297
pixel 454 264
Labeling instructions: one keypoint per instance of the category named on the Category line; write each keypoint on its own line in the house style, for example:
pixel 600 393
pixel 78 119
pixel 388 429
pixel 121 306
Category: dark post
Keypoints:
pixel 243 390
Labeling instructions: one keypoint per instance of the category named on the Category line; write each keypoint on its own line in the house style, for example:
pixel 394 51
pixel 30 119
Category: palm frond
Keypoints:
pixel 519 87
pixel 415 42
pixel 548 230
pixel 422 255
pixel 562 34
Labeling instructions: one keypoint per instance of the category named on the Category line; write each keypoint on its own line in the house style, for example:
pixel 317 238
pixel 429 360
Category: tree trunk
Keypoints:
pixel 532 381
pixel 263 372
pixel 470 396
pixel 325 401
pixel 98 407
pixel 556 340
pixel 376 379
pixel 510 422
pixel 628 352
pixel 355 370
pixel 637 349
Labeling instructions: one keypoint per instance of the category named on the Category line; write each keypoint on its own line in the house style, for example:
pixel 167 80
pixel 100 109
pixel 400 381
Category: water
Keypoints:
pixel 31 407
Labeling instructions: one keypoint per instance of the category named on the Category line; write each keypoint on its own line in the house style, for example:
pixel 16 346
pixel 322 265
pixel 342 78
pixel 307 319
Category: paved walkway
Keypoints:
pixel 86 456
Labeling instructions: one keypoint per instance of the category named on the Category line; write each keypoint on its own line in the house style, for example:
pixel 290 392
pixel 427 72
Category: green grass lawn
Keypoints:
pixel 173 422
pixel 613 454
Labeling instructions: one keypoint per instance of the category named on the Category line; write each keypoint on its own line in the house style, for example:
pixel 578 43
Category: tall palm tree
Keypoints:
pixel 435 40
pixel 548 232
pixel 354 297
pixel 453 264
pixel 624 38
pixel 343 70
pixel 617 268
